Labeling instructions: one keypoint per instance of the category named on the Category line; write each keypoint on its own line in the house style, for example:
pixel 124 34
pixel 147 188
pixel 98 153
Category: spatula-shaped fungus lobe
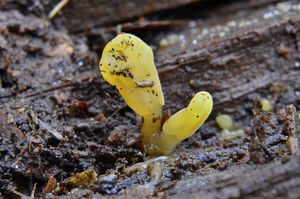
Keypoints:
pixel 128 64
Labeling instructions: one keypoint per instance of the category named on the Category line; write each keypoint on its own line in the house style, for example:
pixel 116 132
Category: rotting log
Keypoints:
pixel 275 180
pixel 81 15
pixel 99 13
pixel 279 180
pixel 116 11
pixel 199 8
pixel 120 10
pixel 78 16
pixel 232 61
pixel 246 60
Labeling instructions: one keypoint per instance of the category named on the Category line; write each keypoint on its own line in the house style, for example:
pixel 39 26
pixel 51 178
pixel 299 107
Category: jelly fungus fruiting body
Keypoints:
pixel 128 64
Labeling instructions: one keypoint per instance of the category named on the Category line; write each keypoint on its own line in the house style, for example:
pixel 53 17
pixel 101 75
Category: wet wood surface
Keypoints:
pixel 57 113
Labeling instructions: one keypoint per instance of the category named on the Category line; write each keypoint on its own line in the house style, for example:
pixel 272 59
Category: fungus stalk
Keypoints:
pixel 128 64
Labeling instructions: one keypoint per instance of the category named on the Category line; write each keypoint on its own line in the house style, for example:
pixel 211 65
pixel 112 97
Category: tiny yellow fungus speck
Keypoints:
pixel 224 121
pixel 266 105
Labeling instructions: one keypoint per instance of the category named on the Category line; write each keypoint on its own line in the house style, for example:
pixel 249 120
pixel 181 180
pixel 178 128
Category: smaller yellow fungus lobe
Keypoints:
pixel 182 124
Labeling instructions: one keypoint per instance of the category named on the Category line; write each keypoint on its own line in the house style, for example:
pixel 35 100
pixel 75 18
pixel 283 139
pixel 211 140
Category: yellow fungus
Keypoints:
pixel 183 124
pixel 266 105
pixel 128 64
pixel 224 121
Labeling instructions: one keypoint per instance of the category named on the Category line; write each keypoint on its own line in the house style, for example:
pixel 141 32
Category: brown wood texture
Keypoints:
pixel 78 16
pixel 81 15
pixel 231 62
pixel 50 81
pixel 274 181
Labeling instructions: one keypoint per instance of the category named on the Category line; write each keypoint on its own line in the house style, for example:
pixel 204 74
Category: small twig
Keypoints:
pixel 45 126
pixel 61 86
pixel 57 8
pixel 142 25
pixel 33 191
pixel 292 142
pixel 117 111
pixel 144 165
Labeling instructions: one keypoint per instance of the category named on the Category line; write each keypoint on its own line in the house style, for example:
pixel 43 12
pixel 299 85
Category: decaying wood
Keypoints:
pixel 243 60
pixel 276 180
pixel 110 12
pixel 231 67
pixel 79 15
pixel 44 70
pixel 231 62
pixel 140 25
pixel 280 180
